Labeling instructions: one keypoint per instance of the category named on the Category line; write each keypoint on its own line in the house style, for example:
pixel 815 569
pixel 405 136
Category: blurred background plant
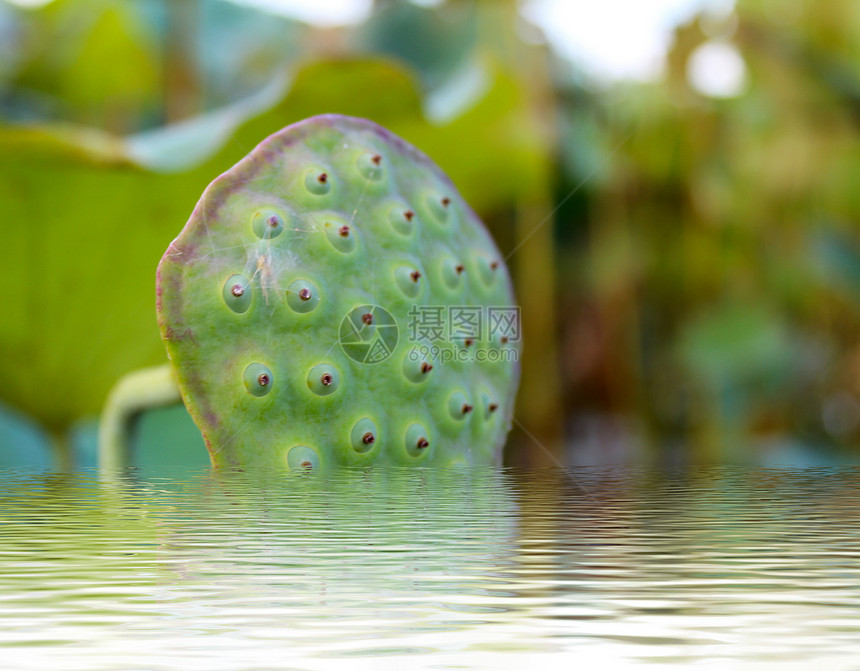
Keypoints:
pixel 676 184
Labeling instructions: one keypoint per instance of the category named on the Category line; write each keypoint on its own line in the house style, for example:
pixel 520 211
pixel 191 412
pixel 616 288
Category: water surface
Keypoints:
pixel 718 568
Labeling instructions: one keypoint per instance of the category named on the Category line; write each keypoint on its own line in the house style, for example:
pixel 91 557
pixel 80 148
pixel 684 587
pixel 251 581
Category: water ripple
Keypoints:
pixel 406 569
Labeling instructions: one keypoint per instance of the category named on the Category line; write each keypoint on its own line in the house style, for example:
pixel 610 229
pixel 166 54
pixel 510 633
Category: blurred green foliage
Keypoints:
pixel 704 257
pixel 127 66
pixel 713 267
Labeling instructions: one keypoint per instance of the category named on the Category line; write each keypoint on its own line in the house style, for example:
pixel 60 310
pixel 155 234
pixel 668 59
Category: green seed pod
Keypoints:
pixel 324 270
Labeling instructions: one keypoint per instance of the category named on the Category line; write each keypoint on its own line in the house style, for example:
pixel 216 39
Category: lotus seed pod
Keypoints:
pixel 309 305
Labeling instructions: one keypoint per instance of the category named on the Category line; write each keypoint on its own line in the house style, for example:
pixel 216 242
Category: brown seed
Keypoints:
pixel 494 265
pixel 414 275
pixel 368 438
pixel 409 214
pixel 446 201
pixel 468 342
pixel 493 407
pixel 326 379
pixel 367 318
pixel 426 367
pixel 237 290
pixel 273 222
pixel 467 408
pixel 459 268
pixel 305 294
pixel 422 443
pixel 376 158
pixel 344 231
pixel 263 380
pixel 308 466
pixel 322 178
pixel 504 339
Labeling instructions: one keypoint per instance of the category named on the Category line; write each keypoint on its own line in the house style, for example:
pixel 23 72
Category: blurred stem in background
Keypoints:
pixel 538 425
pixel 182 96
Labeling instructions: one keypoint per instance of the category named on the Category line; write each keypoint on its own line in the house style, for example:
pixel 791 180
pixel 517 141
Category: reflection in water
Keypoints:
pixel 406 568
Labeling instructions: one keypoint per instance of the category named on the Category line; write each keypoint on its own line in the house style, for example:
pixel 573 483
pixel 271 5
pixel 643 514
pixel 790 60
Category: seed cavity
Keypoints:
pixel 417 440
pixel 418 370
pixel 370 166
pixel 438 207
pixel 407 278
pixel 323 379
pixel 486 269
pixel 451 277
pixel 303 296
pixel 257 379
pixel 364 435
pixel 237 293
pixel 400 219
pixel 458 405
pixel 303 458
pixel 359 327
pixel 340 234
pixel 489 405
pixel 317 182
pixel 267 224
